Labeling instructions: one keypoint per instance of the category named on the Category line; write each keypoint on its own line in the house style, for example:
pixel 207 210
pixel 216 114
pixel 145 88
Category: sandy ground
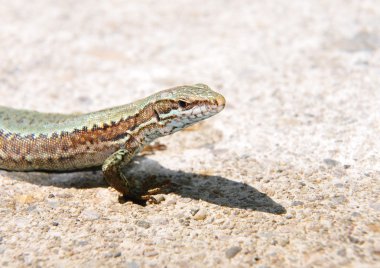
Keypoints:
pixel 286 176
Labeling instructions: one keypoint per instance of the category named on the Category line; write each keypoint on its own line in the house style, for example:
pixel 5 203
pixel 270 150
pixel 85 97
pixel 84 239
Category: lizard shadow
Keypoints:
pixel 213 189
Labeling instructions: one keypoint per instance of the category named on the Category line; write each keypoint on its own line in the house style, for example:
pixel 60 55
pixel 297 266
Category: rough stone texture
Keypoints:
pixel 288 172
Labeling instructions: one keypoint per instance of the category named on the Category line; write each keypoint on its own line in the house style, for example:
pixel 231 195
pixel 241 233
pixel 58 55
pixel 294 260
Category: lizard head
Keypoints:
pixel 180 107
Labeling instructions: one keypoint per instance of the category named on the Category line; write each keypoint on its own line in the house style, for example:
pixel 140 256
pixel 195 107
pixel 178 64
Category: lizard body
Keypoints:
pixel 110 138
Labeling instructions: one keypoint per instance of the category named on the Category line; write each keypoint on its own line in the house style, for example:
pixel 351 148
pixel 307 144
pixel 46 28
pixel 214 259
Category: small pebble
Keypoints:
pixel 24 199
pixel 83 243
pixel 194 211
pixel 232 251
pixel 160 221
pixel 53 203
pixel 186 200
pixel 339 199
pixel 376 251
pixel 150 253
pixel 31 208
pixel 172 201
pixel 143 224
pixel 159 198
pixel 108 255
pixel 331 162
pixel 354 240
pixel 283 241
pixel 342 252
pixel 132 264
pixel 200 215
pixel 90 215
pixel 85 100
pixel 297 203
pixel 184 222
pixel 64 195
pixel 117 254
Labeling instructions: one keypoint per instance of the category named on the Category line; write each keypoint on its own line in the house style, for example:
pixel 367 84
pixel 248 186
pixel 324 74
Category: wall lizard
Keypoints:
pixel 109 138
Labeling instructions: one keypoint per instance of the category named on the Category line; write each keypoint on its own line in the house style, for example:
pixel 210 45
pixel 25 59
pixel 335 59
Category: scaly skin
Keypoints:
pixel 109 138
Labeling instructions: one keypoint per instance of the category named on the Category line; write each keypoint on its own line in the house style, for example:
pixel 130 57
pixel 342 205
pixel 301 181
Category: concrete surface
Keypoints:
pixel 286 176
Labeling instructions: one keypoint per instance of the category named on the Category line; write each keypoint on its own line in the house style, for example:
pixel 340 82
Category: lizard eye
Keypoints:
pixel 182 104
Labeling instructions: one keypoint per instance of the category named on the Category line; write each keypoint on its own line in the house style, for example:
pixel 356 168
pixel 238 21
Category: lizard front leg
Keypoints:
pixel 129 186
pixel 112 170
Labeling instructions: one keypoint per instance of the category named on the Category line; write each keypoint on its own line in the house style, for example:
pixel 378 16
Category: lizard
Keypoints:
pixel 109 138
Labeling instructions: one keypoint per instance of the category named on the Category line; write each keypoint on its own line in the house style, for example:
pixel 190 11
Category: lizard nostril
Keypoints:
pixel 221 100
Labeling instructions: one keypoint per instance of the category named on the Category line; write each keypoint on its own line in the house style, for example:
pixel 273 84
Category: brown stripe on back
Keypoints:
pixel 40 150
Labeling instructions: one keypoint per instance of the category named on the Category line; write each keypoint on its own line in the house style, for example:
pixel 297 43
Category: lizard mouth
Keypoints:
pixel 204 111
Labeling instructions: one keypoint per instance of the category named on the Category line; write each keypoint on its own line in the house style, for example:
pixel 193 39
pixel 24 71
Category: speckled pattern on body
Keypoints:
pixel 36 141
